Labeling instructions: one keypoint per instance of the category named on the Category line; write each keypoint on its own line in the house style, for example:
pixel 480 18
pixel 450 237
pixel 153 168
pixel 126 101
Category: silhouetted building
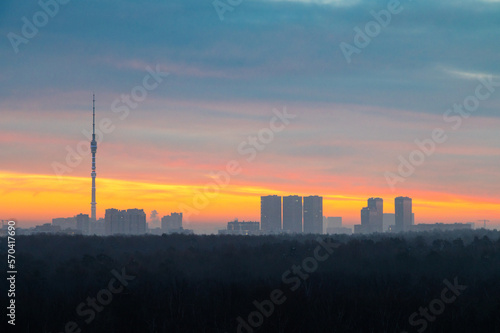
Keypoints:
pixel 136 221
pixel 440 227
pixel 171 222
pixel 333 221
pixel 376 206
pixel 372 217
pixel 114 221
pixel 270 213
pixel 333 226
pixel 64 223
pixel 98 227
pixel 83 223
pixel 313 215
pixel 46 228
pixel 292 214
pixel 367 217
pixel 403 212
pixel 241 228
pixel 361 229
pixel 129 222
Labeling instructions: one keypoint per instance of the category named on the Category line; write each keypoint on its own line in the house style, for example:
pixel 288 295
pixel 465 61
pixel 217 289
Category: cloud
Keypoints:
pixel 226 77
pixel 337 3
pixel 470 75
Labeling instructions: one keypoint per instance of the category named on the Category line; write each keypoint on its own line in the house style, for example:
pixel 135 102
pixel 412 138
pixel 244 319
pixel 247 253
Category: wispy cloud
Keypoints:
pixel 470 75
pixel 337 3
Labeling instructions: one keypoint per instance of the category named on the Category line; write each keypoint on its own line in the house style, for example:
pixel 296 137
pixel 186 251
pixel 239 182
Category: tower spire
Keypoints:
pixel 93 148
pixel 93 116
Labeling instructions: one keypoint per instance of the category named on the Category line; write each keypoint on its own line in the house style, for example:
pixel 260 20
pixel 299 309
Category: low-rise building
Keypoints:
pixel 241 228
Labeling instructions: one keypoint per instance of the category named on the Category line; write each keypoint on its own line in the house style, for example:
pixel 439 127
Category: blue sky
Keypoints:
pixel 272 48
pixel 225 77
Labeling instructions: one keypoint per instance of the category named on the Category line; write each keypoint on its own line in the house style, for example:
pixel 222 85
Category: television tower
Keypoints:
pixel 93 148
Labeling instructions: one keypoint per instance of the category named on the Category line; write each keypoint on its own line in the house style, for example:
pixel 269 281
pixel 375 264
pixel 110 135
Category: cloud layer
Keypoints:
pixel 225 78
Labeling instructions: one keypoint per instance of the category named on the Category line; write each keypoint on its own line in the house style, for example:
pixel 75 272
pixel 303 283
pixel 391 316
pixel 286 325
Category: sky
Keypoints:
pixel 189 90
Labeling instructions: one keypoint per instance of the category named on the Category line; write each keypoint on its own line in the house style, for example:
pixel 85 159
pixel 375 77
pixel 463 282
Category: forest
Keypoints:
pixel 415 282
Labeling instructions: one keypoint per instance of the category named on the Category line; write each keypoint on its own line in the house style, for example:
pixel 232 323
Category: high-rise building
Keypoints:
pixel 83 223
pixel 114 221
pixel 372 217
pixel 172 222
pixel 366 217
pixel 270 213
pixel 376 205
pixel 292 214
pixel 403 212
pixel 313 215
pixel 129 222
pixel 136 219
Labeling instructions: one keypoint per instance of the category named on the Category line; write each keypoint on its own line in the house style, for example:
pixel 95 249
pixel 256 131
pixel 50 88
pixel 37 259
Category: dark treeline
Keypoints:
pixel 204 283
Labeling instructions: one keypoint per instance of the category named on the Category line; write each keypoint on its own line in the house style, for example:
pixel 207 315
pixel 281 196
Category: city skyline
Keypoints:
pixel 350 221
pixel 297 219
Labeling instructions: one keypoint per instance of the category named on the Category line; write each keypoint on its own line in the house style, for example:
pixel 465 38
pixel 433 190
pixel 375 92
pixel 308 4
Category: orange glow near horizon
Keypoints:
pixel 34 199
